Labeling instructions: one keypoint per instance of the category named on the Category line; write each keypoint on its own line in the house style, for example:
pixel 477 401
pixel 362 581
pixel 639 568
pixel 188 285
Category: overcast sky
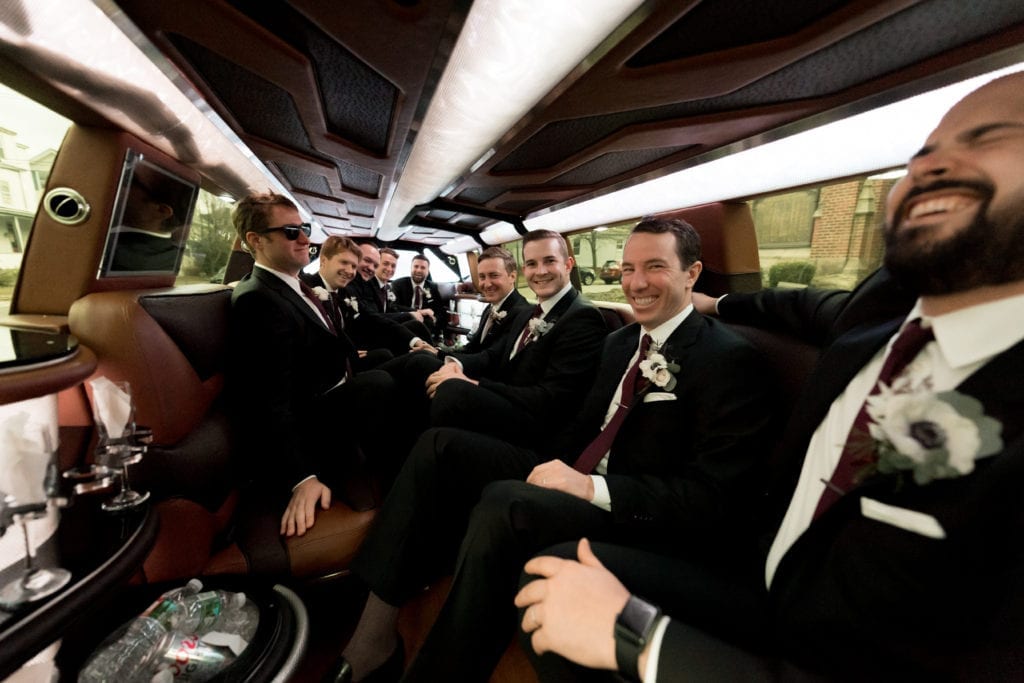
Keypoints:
pixel 36 126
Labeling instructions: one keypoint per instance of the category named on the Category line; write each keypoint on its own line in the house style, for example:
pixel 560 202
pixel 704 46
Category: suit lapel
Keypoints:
pixel 289 295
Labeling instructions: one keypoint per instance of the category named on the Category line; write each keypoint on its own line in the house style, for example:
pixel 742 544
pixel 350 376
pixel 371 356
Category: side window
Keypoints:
pixel 209 241
pixel 828 236
pixel 30 135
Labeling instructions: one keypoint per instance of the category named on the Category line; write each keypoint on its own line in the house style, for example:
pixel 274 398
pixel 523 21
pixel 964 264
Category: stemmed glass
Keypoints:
pixel 35 582
pixel 118 452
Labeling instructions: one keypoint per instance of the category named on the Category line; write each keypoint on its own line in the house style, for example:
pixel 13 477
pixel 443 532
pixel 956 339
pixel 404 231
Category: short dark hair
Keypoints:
pixel 250 214
pixel 420 257
pixel 538 235
pixel 687 239
pixel 336 244
pixel 499 253
pixel 389 251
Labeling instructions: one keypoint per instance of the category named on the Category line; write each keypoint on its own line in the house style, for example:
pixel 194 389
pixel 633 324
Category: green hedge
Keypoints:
pixel 801 272
pixel 8 276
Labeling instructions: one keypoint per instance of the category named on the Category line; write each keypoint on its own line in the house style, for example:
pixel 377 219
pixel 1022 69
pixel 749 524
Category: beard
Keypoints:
pixel 418 279
pixel 989 251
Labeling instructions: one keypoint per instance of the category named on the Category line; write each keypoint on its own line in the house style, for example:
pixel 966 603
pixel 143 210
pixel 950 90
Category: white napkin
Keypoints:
pixel 23 459
pixel 113 406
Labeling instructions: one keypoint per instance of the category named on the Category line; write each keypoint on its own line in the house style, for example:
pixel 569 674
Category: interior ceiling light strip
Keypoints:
pixel 882 138
pixel 509 55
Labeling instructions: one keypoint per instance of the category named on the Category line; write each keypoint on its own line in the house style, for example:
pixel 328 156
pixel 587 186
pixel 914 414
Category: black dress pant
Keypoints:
pixel 417 532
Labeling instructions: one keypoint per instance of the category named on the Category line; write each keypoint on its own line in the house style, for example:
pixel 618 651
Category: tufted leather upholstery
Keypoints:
pixel 170 345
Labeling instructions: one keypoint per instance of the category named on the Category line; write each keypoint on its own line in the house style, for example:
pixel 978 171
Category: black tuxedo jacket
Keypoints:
pixel 547 377
pixel 512 305
pixel 370 300
pixel 687 465
pixel 274 336
pixel 366 328
pixel 859 598
pixel 402 287
pixel 819 316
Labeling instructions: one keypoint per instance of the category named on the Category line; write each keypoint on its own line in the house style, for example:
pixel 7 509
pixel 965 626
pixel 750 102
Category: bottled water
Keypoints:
pixel 186 634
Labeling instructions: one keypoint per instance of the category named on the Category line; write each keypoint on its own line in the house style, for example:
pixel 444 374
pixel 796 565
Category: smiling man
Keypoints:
pixel 644 456
pixel 899 551
pixel 496 281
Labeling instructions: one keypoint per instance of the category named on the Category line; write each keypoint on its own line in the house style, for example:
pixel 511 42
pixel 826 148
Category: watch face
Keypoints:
pixel 638 617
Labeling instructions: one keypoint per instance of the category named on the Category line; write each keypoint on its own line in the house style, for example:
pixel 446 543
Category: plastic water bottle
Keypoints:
pixel 128 655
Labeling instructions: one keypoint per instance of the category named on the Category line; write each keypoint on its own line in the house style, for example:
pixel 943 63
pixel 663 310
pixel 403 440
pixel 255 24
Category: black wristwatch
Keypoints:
pixel 633 629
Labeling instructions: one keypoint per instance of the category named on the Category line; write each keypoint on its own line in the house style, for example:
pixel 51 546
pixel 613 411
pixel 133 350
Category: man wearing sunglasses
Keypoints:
pixel 277 327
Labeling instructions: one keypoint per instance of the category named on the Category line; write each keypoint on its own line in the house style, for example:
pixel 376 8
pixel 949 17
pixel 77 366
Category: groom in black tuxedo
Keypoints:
pixel 278 327
pixel 900 550
pixel 650 451
pixel 417 292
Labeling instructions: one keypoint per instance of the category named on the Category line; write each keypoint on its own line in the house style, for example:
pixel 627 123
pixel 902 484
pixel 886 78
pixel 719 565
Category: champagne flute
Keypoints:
pixel 118 452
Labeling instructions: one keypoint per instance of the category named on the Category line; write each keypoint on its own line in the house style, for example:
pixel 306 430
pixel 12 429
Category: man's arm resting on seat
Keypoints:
pixel 300 514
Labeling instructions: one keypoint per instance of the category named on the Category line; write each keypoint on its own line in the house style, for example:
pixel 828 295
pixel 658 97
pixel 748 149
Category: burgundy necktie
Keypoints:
pixel 593 453
pixel 524 338
pixel 417 301
pixel 382 294
pixel 908 344
pixel 335 311
pixel 311 295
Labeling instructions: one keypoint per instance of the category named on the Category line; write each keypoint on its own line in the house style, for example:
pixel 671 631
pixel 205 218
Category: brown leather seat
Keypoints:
pixel 170 345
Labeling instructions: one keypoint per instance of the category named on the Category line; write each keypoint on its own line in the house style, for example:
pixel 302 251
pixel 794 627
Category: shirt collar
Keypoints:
pixel 661 333
pixel 380 283
pixel 289 280
pixel 976 333
pixel 548 304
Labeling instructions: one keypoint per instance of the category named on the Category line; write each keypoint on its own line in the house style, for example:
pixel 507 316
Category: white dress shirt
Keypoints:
pixel 964 341
pixel 659 335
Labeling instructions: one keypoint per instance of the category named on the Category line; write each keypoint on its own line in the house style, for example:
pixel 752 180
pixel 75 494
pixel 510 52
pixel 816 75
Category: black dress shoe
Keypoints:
pixel 388 672
pixel 341 672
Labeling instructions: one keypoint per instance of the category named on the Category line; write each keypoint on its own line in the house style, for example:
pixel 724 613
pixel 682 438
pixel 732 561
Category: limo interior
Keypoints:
pixel 401 121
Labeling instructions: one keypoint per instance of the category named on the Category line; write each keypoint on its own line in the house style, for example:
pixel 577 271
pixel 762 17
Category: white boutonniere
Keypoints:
pixel 497 316
pixel 391 293
pixel 427 296
pixel 321 293
pixel 539 327
pixel 658 370
pixel 352 302
pixel 933 435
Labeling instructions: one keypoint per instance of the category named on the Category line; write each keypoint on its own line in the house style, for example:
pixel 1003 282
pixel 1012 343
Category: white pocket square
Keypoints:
pixel 659 396
pixel 908 520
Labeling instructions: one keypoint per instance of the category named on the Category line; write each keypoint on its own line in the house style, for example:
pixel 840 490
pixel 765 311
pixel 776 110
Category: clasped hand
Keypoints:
pixel 446 372
pixel 571 609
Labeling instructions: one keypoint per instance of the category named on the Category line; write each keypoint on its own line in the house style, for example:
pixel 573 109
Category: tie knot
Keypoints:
pixel 913 337
pixel 537 311
pixel 645 345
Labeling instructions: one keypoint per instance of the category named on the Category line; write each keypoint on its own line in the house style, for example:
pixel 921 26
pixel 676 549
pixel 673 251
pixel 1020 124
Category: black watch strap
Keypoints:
pixel 633 629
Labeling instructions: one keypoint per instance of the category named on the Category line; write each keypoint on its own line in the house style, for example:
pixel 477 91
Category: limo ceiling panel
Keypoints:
pixel 331 95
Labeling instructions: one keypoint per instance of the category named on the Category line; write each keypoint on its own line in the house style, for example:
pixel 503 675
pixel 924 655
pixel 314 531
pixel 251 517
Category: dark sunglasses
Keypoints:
pixel 291 232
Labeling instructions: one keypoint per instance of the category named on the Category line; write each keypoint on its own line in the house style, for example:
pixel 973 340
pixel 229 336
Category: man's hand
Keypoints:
pixel 417 315
pixel 556 475
pixel 426 313
pixel 423 346
pixel 705 304
pixel 361 353
pixel 301 511
pixel 448 371
pixel 571 609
